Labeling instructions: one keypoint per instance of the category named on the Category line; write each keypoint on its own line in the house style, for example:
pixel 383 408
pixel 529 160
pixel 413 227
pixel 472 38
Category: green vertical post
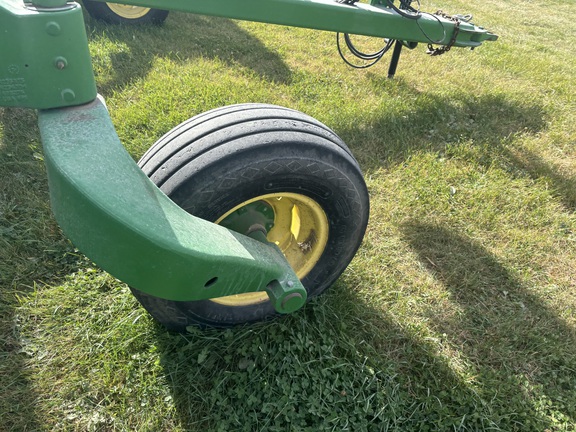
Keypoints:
pixel 44 57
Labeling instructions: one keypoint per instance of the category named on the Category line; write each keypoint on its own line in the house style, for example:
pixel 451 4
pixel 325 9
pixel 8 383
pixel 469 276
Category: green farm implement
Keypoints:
pixel 233 216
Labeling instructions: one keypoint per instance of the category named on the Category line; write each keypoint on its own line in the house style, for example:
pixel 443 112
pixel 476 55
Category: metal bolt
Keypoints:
pixel 290 284
pixel 60 63
pixel 263 208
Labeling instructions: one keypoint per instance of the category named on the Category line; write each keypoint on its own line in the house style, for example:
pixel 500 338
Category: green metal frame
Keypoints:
pixel 119 218
pixel 103 201
pixel 44 58
pixel 375 19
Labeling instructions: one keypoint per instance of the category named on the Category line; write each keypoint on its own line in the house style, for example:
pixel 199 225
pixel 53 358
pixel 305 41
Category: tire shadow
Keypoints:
pixel 506 369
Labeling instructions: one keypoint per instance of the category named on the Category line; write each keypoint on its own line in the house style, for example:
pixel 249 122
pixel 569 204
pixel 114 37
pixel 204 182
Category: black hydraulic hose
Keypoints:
pixel 373 58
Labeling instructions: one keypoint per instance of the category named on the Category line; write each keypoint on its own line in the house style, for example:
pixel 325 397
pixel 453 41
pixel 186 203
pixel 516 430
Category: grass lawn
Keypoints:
pixel 458 312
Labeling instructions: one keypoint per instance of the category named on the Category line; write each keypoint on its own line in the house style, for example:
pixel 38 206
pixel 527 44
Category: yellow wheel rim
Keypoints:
pixel 300 231
pixel 128 11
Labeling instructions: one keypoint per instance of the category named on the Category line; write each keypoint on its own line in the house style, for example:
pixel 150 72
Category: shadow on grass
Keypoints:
pixel 564 186
pixel 182 38
pixel 508 335
pixel 344 367
pixel 436 123
pixel 17 399
pixel 344 363
pixel 31 249
pixel 486 123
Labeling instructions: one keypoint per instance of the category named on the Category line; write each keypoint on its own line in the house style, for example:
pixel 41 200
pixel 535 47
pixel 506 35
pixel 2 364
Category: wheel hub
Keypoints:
pixel 295 223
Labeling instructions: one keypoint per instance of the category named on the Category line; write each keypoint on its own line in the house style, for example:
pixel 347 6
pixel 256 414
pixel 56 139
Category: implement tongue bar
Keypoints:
pixel 359 18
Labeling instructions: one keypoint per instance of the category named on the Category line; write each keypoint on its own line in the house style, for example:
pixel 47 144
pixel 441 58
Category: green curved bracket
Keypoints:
pixel 115 215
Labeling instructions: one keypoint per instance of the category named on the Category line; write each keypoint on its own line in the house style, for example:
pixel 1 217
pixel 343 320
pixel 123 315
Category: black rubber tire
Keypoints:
pixel 105 12
pixel 222 158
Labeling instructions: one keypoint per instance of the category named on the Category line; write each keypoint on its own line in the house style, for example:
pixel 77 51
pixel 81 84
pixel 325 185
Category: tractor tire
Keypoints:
pixel 115 13
pixel 229 158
